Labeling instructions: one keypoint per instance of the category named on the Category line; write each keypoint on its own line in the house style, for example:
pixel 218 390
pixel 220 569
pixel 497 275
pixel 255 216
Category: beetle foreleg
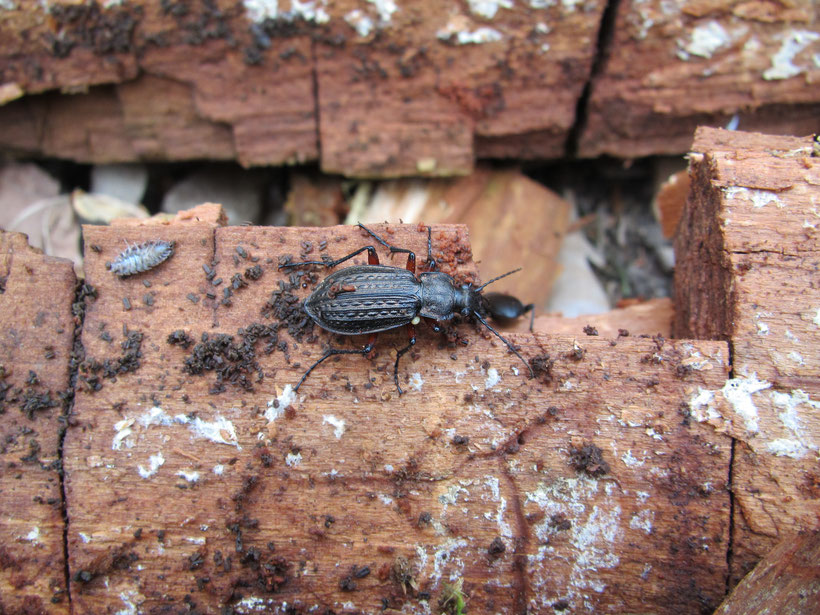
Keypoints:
pixel 411 333
pixel 510 346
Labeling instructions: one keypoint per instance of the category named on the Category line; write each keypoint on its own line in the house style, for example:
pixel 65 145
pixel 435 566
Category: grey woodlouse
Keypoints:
pixel 141 257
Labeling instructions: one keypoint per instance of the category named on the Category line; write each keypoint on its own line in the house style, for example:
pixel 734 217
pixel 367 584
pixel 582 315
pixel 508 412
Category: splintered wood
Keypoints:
pixel 196 478
pixel 747 270
pixel 36 337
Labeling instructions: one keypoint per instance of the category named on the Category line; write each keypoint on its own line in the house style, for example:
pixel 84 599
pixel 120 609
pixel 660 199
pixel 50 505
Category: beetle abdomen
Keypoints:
pixel 365 299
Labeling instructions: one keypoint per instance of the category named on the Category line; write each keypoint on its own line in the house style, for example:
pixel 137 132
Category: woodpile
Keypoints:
pixel 634 473
pixel 382 89
pixel 747 272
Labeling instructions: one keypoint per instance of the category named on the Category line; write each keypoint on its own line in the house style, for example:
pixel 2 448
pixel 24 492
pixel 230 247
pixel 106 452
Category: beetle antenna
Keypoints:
pixel 478 290
pixel 499 336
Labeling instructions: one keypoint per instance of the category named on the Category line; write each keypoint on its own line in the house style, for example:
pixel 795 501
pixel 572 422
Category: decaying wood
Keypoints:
pixel 36 337
pixel 670 201
pixel 786 581
pixel 674 66
pixel 588 488
pixel 747 271
pixel 652 317
pixel 387 89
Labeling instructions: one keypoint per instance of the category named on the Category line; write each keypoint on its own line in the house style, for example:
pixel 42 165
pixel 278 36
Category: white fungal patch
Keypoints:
pixel 493 378
pixel 701 406
pixel 454 32
pixel 785 447
pixel 416 381
pixel 337 424
pixel 385 9
pixel 84 537
pixel 123 429
pixel 488 8
pixel 386 499
pixel 220 430
pixel 705 40
pixel 218 469
pixel 503 526
pixel 816 319
pixel 359 21
pixel 260 10
pixel 443 555
pixel 191 476
pixel 783 66
pixel 796 357
pixel 738 392
pixel 762 327
pixel 759 198
pixel 643 520
pixel 293 459
pixel 631 461
pixel 130 600
pixel 34 535
pixel 277 405
pixel 154 464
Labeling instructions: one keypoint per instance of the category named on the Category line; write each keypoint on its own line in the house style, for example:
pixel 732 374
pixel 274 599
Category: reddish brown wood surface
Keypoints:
pixel 254 498
pixel 747 271
pixel 386 89
pixel 674 66
pixel 786 581
pixel 36 336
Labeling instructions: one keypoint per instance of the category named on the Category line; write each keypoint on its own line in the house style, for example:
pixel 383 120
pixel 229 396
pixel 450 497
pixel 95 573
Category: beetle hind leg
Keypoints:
pixel 330 352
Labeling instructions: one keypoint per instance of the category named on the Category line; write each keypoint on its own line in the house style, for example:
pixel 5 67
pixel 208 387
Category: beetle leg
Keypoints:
pixel 434 325
pixel 331 352
pixel 531 309
pixel 432 265
pixel 371 346
pixel 411 256
pixel 372 259
pixel 411 333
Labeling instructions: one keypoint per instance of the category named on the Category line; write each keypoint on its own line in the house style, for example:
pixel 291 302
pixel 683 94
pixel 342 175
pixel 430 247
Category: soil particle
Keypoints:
pixel 588 459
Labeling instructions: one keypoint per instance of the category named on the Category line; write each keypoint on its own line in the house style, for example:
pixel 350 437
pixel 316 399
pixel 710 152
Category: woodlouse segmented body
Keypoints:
pixel 141 257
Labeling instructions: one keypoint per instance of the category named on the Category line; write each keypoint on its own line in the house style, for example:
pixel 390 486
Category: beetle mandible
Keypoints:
pixel 368 299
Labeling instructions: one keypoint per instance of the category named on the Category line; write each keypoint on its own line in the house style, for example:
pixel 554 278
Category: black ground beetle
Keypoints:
pixel 368 299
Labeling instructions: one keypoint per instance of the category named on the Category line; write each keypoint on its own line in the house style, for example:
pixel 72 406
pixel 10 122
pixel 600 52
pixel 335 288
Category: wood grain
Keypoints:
pixel 672 67
pixel 351 498
pixel 36 337
pixel 747 271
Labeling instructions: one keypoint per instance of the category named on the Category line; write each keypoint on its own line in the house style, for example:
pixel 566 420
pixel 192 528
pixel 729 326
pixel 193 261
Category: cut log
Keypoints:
pixel 36 338
pixel 784 582
pixel 747 271
pixel 199 478
pixel 671 69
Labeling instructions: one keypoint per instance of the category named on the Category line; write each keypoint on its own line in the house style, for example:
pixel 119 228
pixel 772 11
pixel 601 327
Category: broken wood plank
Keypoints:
pixel 784 582
pixel 752 63
pixel 747 270
pixel 652 318
pixel 201 479
pixel 514 223
pixel 36 338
